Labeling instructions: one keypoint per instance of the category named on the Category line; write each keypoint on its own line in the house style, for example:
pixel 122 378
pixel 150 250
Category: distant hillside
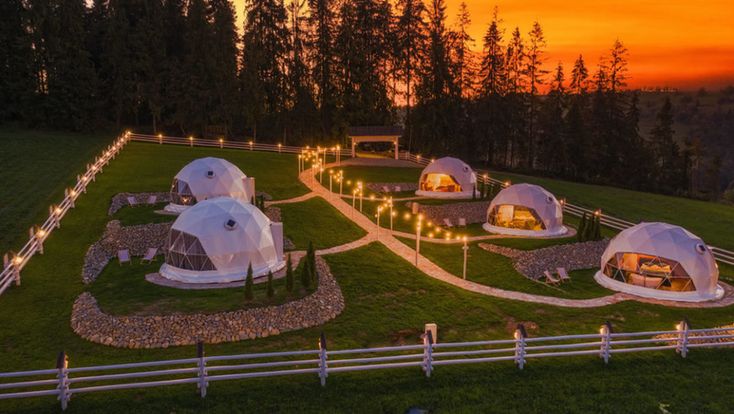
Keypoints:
pixel 704 120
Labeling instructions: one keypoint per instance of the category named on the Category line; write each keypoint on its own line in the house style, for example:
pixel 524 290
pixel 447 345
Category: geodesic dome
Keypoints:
pixel 525 210
pixel 447 177
pixel 661 261
pixel 215 240
pixel 206 178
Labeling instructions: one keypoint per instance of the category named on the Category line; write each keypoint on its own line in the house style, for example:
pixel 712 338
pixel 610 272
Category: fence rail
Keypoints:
pixel 65 381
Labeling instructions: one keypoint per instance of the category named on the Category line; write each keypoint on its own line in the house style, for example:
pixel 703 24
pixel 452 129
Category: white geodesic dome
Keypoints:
pixel 206 178
pixel 447 177
pixel 661 261
pixel 215 241
pixel 531 199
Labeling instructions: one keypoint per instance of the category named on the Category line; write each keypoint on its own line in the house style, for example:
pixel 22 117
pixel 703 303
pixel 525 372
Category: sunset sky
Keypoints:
pixel 683 44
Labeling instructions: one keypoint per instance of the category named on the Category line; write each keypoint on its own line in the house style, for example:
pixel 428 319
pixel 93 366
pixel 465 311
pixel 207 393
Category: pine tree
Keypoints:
pixel 303 118
pixel 579 76
pixel 410 38
pixel 271 290
pixel 249 283
pixel 597 228
pixel 666 150
pixel 306 273
pixel 535 74
pixel 16 63
pixel 581 231
pixel 289 274
pixel 223 56
pixel 618 66
pixel 311 262
pixel 322 22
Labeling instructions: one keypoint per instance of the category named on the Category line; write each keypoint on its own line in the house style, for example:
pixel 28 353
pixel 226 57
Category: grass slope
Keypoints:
pixel 713 222
pixel 36 167
pixel 315 220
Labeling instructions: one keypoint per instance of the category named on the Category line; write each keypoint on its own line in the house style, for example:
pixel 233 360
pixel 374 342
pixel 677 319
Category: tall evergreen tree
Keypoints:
pixel 223 63
pixel 303 116
pixel 322 22
pixel 536 77
pixel 16 63
pixel 410 39
pixel 579 77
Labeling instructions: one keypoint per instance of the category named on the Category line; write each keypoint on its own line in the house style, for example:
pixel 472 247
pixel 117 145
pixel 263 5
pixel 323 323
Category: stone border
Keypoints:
pixel 474 211
pixel 136 332
pixel 572 256
pixel 377 187
pixel 119 200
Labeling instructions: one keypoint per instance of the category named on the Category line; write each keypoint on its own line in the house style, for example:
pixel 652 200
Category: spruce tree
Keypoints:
pixel 16 63
pixel 581 231
pixel 597 228
pixel 322 21
pixel 311 262
pixel 249 283
pixel 271 290
pixel 289 274
pixel 306 273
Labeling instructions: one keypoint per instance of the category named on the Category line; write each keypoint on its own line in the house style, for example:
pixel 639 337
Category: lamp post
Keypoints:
pixel 321 174
pixel 418 237
pixel 377 222
pixel 466 250
pixel 331 175
pixel 359 186
pixel 341 179
pixel 392 213
pixel 338 154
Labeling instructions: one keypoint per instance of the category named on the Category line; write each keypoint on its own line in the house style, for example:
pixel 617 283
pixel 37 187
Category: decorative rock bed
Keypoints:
pixel 472 211
pixel 89 322
pixel 120 200
pixel 532 263
pixel 137 239
pixel 377 187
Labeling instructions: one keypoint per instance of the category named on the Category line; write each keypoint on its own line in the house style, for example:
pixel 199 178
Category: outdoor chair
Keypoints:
pixel 385 189
pixel 132 201
pixel 123 256
pixel 563 274
pixel 150 255
pixel 550 279
pixel 462 222
pixel 398 189
pixel 448 223
pixel 152 199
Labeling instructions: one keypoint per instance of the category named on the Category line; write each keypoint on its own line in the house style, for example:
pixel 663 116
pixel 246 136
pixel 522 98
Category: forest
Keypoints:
pixel 303 71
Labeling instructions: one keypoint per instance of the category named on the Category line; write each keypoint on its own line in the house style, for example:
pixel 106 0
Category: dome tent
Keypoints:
pixel 206 178
pixel 215 241
pixel 660 261
pixel 447 177
pixel 525 210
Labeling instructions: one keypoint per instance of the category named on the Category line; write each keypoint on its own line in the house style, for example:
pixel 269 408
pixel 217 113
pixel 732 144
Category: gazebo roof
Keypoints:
pixel 375 131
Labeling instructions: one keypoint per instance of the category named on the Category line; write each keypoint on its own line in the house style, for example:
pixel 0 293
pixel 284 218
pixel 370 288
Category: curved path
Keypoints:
pixel 433 270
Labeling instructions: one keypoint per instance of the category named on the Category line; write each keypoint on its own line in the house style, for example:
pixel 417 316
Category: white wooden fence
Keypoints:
pixel 65 381
pixel 13 263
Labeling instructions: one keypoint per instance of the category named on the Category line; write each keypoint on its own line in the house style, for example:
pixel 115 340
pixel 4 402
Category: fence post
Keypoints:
pixel 12 259
pixel 203 383
pixel 53 212
pixel 682 346
pixel 38 234
pixel 606 341
pixel 70 194
pixel 62 364
pixel 322 360
pixel 428 352
pixel 520 335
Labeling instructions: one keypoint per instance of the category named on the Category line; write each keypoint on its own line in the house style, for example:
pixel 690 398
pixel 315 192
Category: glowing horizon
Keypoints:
pixel 671 44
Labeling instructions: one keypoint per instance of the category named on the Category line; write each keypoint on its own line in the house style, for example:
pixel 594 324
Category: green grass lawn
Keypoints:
pixel 495 270
pixel 123 290
pixel 381 174
pixel 315 220
pixel 142 214
pixel 387 302
pixel 36 167
pixel 713 222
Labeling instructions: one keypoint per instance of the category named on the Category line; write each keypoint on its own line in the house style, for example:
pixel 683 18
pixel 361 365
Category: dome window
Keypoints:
pixel 230 224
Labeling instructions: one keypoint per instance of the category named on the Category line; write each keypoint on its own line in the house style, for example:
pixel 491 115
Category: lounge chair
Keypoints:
pixel 448 223
pixel 550 279
pixel 123 256
pixel 152 199
pixel 132 201
pixel 385 189
pixel 563 274
pixel 398 189
pixel 462 222
pixel 150 255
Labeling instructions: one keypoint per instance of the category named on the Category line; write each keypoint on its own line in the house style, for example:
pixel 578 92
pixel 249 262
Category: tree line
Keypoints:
pixel 301 72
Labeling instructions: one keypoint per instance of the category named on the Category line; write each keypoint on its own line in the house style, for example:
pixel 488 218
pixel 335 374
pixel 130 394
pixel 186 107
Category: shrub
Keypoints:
pixel 289 274
pixel 248 283
pixel 271 290
pixel 597 228
pixel 311 262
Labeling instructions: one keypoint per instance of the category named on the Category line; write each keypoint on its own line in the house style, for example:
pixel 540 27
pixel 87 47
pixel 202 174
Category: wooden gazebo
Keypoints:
pixel 361 134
